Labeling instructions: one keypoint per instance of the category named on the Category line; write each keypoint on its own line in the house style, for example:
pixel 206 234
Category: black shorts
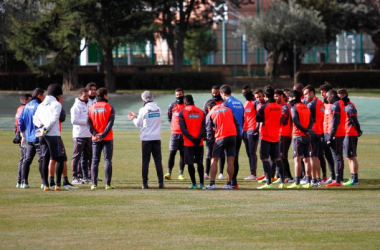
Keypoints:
pixel 316 145
pixel 227 144
pixel 271 149
pixel 56 148
pixel 350 144
pixel 285 142
pixel 193 155
pixel 176 142
pixel 301 146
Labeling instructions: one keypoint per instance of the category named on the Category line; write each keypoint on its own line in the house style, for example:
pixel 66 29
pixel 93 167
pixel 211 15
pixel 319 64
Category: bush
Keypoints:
pixel 341 79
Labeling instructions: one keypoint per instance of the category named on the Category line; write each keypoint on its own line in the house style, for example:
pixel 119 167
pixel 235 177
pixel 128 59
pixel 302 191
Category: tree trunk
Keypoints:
pixel 199 65
pixel 109 74
pixel 70 78
pixel 178 54
pixel 375 63
pixel 271 66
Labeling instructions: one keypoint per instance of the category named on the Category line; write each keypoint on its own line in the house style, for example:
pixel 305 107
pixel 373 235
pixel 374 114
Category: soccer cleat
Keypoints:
pixel 145 186
pixel 201 186
pixel 76 181
pixel 316 184
pixel 42 186
pixel 281 186
pixel 220 177
pixel 277 181
pixel 289 180
pixel 206 177
pixel 94 187
pixel 210 187
pixel 70 186
pixel 328 181
pixel 262 181
pixel 57 188
pixel 324 179
pixel 350 182
pixel 193 186
pixel 161 185
pixel 25 186
pixel 52 188
pixel 304 180
pixel 261 177
pixel 168 176
pixel 334 184
pixel 18 185
pixel 294 185
pixel 109 187
pixel 307 185
pixel 228 187
pixel 86 180
pixel 46 188
pixel 250 177
pixel 181 177
pixel 266 186
pixel 236 186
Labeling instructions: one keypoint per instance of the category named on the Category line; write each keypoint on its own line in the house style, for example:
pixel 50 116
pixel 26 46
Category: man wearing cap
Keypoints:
pixel 101 119
pixel 149 121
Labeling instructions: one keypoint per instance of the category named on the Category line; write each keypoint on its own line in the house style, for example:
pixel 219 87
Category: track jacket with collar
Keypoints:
pixel 79 118
pixel 47 115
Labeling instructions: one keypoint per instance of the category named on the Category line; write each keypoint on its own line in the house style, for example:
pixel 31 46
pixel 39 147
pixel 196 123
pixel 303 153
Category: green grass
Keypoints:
pixel 178 218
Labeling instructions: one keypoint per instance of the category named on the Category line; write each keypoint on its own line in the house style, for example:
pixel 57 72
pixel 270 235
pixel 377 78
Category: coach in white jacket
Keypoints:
pixel 81 137
pixel 149 122
pixel 53 151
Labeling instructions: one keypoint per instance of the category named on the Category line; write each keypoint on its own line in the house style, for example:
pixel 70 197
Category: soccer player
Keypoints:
pixel 350 142
pixel 317 111
pixel 91 87
pixel 101 119
pixel 215 93
pixel 192 123
pixel 285 133
pixel 237 108
pixel 176 138
pixel 81 137
pixel 336 136
pixel 149 121
pixel 28 136
pixel 224 126
pixel 270 116
pixel 24 99
pixel 326 87
pixel 302 130
pixel 250 131
pixel 53 150
pixel 259 96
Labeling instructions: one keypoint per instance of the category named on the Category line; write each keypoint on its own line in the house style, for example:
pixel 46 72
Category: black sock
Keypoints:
pixel 212 183
pixel 356 178
pixel 298 180
pixel 208 165
pixel 192 173
pixel 52 182
pixel 281 170
pixel 308 179
pixel 65 180
pixel 268 171
pixel 228 183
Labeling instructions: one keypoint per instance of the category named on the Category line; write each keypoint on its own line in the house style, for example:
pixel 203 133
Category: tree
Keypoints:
pixel 198 44
pixel 110 23
pixel 177 17
pixel 285 28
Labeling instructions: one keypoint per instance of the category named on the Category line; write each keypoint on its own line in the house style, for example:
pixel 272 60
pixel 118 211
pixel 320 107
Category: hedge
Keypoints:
pixel 341 79
pixel 138 80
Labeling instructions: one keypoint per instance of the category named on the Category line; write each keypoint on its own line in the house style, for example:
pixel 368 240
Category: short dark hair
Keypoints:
pixel 310 88
pixel 25 97
pixel 279 92
pixel 179 90
pixel 101 92
pixel 188 99
pixel 343 92
pixel 91 84
pixel 332 92
pixel 298 86
pixel 210 104
pixel 296 94
pixel 215 87
pixel 269 92
pixel 82 90
pixel 258 91
pixel 37 92
pixel 246 87
pixel 325 87
pixel 226 89
pixel 286 90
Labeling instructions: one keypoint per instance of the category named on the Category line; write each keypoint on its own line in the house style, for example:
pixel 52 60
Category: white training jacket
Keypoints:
pixel 47 115
pixel 149 122
pixel 91 102
pixel 79 118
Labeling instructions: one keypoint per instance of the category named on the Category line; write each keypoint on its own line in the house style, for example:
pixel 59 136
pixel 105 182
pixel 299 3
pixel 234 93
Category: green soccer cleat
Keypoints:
pixel 350 182
pixel 181 177
pixel 278 181
pixel 25 186
pixel 42 186
pixel 294 185
pixel 94 187
pixel 168 176
pixel 109 187
pixel 281 186
pixel 307 185
pixel 266 186
pixel 201 186
pixel 262 181
pixel 193 187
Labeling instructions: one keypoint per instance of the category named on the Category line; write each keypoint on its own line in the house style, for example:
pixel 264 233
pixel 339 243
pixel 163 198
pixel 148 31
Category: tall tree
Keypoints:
pixel 198 44
pixel 286 28
pixel 177 17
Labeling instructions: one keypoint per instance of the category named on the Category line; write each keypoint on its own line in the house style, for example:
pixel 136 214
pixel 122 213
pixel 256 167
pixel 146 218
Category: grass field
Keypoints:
pixel 178 218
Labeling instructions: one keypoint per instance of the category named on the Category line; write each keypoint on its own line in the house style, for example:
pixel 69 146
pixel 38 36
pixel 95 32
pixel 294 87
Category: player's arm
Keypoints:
pixel 260 114
pixel 210 132
pixel 62 116
pixel 284 116
pixel 139 120
pixel 170 112
pixel 182 125
pixel 203 129
pixel 92 129
pixel 335 110
pixel 76 118
pixel 110 122
pixel 353 116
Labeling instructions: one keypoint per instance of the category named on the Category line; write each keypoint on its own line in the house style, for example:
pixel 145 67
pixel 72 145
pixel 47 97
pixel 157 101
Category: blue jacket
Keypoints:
pixel 237 109
pixel 25 122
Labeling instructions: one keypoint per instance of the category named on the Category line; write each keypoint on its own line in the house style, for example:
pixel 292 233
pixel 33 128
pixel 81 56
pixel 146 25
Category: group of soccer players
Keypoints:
pixel 275 119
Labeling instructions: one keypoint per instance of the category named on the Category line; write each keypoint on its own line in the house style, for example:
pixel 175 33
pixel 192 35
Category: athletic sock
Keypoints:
pixel 65 180
pixel 309 179
pixel 298 180
pixel 212 183
pixel 192 173
pixel 52 182
pixel 281 170
pixel 268 171
pixel 201 169
pixel 356 178
pixel 228 183
pixel 208 164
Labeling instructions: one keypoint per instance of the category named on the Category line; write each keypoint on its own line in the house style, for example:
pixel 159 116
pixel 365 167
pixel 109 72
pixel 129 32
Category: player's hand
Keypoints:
pixel 196 141
pixel 256 135
pixel 331 142
pixel 131 115
pixel 310 132
pixel 360 133
pixel 23 142
pixel 41 132
pixel 98 137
